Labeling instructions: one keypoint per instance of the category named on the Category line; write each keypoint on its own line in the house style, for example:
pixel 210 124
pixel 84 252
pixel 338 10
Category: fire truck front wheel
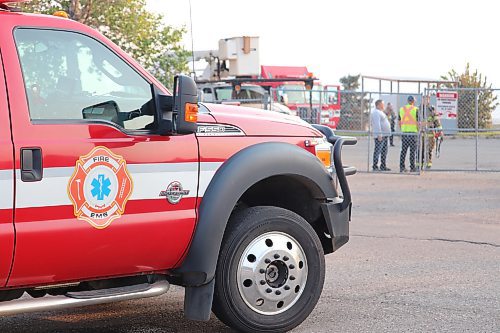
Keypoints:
pixel 270 271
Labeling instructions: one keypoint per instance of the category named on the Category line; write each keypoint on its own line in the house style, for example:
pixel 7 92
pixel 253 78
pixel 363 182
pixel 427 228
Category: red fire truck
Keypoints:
pixel 112 188
pixel 313 102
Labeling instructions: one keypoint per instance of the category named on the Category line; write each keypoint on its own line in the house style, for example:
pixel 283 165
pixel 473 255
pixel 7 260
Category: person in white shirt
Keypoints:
pixel 381 129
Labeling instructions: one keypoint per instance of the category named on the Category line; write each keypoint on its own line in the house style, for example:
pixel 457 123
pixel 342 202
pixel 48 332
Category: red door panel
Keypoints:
pixel 100 208
pixel 6 185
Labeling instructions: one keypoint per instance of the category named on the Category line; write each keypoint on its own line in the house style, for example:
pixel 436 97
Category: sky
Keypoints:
pixel 423 39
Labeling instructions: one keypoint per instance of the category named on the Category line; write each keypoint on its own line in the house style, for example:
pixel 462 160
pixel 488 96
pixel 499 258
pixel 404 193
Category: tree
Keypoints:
pixel 128 24
pixel 350 82
pixel 354 106
pixel 486 99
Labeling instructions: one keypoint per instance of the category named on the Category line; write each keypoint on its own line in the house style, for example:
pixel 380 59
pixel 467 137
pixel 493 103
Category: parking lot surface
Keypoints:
pixel 424 256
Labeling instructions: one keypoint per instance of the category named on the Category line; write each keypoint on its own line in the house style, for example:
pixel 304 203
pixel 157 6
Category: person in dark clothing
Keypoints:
pixel 381 131
pixel 391 115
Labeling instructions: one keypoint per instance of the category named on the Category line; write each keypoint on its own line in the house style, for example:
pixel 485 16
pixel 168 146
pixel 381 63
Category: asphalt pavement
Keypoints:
pixel 424 256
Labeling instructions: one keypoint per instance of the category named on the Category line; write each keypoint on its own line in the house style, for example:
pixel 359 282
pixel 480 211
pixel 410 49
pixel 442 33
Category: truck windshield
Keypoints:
pixel 317 94
pixel 247 94
pixel 332 95
pixel 295 93
pixel 223 93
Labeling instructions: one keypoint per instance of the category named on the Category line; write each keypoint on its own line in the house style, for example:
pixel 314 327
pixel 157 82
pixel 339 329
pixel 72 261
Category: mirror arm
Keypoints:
pixel 164 104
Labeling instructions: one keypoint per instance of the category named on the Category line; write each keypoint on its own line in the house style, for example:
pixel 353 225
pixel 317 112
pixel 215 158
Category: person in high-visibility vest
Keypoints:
pixel 408 121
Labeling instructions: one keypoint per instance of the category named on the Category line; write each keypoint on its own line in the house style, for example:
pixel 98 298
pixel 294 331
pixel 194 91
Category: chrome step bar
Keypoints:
pixel 48 303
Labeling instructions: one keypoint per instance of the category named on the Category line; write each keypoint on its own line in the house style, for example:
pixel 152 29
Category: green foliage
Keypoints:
pixel 487 100
pixel 350 82
pixel 354 105
pixel 128 24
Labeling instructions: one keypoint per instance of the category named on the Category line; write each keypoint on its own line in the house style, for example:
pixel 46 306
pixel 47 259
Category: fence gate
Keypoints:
pixel 356 108
pixel 471 142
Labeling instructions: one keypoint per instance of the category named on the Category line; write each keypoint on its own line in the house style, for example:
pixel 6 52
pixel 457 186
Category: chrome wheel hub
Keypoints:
pixel 272 273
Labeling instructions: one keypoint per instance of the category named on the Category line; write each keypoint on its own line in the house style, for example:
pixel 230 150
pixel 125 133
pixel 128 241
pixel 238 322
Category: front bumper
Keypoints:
pixel 337 212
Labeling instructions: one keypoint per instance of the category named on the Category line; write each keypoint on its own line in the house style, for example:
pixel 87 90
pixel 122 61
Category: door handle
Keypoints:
pixel 31 164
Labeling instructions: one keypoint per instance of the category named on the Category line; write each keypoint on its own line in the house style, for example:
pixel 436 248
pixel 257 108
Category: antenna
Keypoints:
pixel 192 39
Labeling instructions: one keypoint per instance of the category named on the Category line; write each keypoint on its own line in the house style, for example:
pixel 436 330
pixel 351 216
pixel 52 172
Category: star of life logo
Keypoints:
pixel 100 187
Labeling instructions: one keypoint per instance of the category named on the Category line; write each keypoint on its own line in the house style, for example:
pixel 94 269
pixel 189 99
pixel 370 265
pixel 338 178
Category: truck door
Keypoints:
pixel 6 184
pixel 98 192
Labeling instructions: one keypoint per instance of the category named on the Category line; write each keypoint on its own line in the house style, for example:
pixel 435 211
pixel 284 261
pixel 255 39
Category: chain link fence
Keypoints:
pixel 469 139
pixel 308 105
pixel 387 150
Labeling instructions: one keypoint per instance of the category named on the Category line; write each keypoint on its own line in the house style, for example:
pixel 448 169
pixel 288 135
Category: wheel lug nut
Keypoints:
pixel 292 277
pixel 268 290
pixel 277 292
pixel 262 282
pixel 276 256
pixel 262 271
pixel 285 258
pixel 287 287
pixel 291 266
pixel 267 261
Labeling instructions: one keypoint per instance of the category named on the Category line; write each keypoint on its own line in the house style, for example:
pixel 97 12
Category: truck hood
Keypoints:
pixel 261 122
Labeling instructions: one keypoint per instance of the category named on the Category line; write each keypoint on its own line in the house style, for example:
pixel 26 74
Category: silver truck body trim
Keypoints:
pixel 62 302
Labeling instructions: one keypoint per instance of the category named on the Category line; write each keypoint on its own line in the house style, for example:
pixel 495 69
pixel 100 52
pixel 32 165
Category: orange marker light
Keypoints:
pixel 325 156
pixel 61 13
pixel 191 113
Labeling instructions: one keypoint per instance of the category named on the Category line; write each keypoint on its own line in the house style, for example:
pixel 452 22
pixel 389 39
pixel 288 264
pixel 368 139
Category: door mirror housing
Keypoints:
pixel 185 105
pixel 178 113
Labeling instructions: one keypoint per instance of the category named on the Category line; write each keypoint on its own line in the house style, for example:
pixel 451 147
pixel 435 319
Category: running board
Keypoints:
pixel 77 299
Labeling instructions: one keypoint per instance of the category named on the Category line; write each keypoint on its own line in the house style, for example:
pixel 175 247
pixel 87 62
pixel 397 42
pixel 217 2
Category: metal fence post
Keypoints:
pixel 477 124
pixel 369 128
pixel 420 137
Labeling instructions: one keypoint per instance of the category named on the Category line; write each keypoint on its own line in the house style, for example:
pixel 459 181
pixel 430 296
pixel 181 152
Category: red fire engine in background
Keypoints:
pixel 237 62
pixel 311 100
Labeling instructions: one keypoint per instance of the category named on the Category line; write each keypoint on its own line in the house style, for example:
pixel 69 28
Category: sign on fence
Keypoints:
pixel 447 109
pixel 447 104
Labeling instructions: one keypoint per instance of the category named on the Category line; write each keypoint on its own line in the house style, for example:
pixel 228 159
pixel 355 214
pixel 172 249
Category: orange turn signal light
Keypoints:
pixel 191 113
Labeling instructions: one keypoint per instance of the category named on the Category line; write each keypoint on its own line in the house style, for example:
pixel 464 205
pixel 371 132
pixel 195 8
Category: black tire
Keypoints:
pixel 242 289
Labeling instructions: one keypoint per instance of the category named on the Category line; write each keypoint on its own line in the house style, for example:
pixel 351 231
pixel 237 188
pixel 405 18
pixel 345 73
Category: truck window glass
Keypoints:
pixel 317 94
pixel 332 95
pixel 295 93
pixel 69 76
pixel 208 96
pixel 256 95
pixel 223 93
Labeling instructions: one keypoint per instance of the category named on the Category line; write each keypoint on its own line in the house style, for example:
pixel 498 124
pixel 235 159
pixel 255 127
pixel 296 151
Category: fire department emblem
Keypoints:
pixel 100 187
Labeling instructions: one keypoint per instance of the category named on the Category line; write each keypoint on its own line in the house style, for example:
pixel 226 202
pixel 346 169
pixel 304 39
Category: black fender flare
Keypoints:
pixel 236 175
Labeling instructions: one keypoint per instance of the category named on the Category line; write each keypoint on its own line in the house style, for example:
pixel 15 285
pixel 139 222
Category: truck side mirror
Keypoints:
pixel 108 110
pixel 185 105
